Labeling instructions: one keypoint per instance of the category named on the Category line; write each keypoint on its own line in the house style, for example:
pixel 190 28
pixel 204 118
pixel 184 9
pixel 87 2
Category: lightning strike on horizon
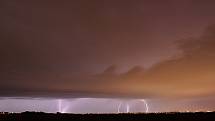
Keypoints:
pixel 127 108
pixel 118 110
pixel 62 109
pixel 146 105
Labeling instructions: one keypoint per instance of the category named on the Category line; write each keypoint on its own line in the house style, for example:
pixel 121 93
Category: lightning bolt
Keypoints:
pixel 146 105
pixel 119 106
pixel 62 109
pixel 127 108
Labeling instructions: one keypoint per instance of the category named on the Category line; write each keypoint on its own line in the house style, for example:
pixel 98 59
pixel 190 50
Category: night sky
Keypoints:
pixel 107 52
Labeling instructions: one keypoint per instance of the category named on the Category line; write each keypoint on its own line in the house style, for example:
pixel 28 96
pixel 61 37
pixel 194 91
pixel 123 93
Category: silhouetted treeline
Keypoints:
pixel 40 116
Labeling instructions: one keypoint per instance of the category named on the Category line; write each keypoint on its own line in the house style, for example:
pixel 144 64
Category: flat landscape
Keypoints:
pixel 40 116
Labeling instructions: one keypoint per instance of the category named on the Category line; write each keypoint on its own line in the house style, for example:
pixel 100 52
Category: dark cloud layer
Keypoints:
pixel 57 48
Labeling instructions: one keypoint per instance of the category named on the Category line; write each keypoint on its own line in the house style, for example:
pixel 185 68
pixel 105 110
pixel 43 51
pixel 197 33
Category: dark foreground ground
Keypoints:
pixel 34 116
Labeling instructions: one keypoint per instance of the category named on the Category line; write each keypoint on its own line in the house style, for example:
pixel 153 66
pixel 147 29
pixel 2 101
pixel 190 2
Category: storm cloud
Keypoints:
pixel 106 48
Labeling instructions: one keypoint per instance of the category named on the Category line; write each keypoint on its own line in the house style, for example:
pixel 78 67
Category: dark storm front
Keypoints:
pixel 40 116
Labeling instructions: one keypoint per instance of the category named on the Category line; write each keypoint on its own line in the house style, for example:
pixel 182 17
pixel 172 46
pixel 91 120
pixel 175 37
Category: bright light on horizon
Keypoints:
pixel 96 105
pixel 75 105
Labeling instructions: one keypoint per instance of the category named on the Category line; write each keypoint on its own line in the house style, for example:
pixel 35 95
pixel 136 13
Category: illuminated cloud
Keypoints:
pixel 62 49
